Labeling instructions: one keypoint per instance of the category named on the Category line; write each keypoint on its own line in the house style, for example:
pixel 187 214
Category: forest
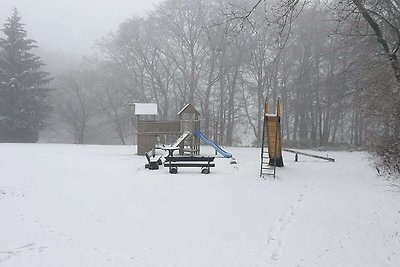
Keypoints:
pixel 333 64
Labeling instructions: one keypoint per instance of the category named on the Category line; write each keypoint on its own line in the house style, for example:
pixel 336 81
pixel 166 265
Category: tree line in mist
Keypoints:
pixel 333 64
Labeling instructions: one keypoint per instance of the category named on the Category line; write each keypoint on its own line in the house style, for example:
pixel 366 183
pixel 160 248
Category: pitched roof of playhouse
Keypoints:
pixel 188 109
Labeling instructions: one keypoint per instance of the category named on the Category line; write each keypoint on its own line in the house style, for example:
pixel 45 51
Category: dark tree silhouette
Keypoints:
pixel 23 95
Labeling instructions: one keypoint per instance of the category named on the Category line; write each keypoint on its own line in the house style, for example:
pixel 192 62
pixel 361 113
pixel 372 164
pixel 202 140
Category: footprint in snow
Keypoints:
pixel 8 254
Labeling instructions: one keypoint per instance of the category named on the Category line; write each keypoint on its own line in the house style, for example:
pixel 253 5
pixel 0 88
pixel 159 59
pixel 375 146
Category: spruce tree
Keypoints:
pixel 23 91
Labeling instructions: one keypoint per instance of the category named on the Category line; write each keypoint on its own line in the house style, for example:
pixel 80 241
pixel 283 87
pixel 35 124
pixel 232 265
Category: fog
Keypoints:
pixel 72 26
pixel 336 89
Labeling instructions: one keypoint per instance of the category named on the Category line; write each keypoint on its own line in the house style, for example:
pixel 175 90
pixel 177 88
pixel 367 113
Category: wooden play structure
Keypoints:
pixel 271 146
pixel 186 132
pixel 189 125
pixel 150 131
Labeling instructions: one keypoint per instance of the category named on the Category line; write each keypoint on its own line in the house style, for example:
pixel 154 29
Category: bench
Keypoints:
pixel 153 161
pixel 205 163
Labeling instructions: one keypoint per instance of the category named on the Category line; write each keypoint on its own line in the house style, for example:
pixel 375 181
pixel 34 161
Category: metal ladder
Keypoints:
pixel 266 170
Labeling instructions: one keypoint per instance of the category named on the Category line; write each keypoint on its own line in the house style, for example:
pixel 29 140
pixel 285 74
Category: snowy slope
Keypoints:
pixel 68 205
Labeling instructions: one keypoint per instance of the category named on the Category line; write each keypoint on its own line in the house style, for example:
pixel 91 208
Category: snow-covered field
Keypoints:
pixel 68 205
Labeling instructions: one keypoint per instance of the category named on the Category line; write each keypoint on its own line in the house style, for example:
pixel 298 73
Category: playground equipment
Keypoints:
pixel 150 131
pixel 271 146
pixel 189 124
pixel 297 153
pixel 186 132
pixel 217 148
pixel 153 161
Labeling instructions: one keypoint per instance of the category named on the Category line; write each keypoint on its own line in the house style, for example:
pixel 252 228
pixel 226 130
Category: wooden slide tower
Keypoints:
pixel 271 146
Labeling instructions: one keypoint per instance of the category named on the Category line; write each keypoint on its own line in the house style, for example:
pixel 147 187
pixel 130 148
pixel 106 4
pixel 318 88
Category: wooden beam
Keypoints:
pixel 308 155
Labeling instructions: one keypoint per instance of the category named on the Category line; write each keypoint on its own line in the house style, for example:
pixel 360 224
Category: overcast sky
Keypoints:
pixel 72 26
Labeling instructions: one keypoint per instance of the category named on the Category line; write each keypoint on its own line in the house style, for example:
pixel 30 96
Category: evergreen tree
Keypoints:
pixel 23 95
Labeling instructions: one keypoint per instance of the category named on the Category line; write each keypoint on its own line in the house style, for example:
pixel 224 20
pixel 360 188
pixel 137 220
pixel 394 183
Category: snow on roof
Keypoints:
pixel 188 109
pixel 145 109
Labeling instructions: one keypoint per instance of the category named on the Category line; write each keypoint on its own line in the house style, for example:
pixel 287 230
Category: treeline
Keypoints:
pixel 334 65
pixel 324 68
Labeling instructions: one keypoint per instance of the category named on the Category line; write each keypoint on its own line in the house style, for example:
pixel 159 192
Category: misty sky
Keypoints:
pixel 72 26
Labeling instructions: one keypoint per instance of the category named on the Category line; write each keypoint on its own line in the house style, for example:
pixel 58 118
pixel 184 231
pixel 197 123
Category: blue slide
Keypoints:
pixel 214 145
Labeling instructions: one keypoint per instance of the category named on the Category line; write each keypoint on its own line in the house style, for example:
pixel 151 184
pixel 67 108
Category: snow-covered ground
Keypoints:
pixel 68 205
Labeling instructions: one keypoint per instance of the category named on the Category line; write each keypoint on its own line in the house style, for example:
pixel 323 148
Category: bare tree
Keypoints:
pixel 181 53
pixel 384 19
pixel 183 22
pixel 76 106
